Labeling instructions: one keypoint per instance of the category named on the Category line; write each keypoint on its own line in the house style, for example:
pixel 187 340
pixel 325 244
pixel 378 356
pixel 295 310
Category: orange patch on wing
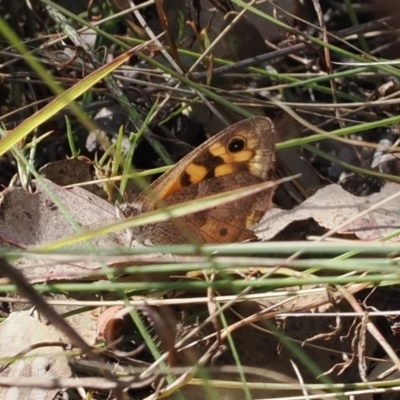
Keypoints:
pixel 196 173
pixel 224 169
pixel 170 190
pixel 241 156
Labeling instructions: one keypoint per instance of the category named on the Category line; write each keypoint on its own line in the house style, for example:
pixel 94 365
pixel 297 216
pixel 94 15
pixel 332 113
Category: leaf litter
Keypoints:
pixel 252 333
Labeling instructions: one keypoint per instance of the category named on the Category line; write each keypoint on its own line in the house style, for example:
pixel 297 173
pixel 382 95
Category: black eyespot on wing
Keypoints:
pixel 223 232
pixel 236 145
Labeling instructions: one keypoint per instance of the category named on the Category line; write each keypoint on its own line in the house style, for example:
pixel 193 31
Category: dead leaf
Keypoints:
pixel 31 219
pixel 332 206
pixel 20 332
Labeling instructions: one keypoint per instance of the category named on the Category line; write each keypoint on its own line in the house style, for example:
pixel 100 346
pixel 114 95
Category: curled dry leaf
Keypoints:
pixel 111 324
pixel 115 323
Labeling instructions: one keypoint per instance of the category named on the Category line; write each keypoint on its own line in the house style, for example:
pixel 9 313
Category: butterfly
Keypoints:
pixel 241 155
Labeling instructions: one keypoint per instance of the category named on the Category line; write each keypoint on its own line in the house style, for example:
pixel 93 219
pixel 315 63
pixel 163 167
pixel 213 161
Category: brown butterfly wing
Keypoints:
pixel 240 156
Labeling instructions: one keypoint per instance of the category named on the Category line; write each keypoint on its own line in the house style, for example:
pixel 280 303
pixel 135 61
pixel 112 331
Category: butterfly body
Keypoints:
pixel 241 155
